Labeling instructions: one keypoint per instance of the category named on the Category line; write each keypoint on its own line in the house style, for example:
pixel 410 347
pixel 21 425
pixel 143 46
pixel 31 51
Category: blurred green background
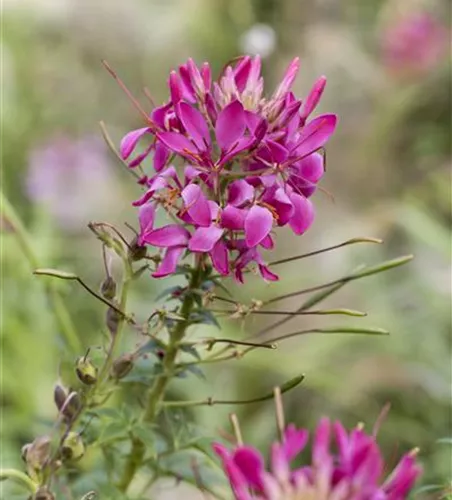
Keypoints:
pixel 388 172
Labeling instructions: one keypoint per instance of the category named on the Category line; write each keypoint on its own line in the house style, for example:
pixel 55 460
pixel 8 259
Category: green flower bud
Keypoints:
pixel 72 448
pixel 122 366
pixel 136 252
pixel 86 371
pixel 108 288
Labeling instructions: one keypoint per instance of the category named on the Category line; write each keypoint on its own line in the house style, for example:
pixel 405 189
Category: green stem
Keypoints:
pixel 157 391
pixel 24 240
pixel 19 477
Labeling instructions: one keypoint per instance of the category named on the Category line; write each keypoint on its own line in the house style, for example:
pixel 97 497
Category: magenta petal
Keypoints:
pixel 258 224
pixel 219 256
pixel 146 216
pixel 195 125
pixel 294 441
pixel 204 239
pixel 251 465
pixel 288 78
pixel 129 141
pixel 279 153
pixel 233 217
pixel 196 205
pixel 311 168
pixel 241 73
pixel 267 274
pixel 315 134
pixel 161 156
pixel 313 97
pixel 168 236
pixel 321 445
pixel 176 142
pixel 230 125
pixel 303 215
pixel 239 192
pixel 169 263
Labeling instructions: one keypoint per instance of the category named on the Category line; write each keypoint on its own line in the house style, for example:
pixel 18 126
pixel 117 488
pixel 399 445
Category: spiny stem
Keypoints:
pixel 157 391
pixel 24 241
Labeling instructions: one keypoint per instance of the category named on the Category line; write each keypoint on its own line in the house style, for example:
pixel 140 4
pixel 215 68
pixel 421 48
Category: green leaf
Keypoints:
pixel 190 349
pixel 55 273
pixel 145 433
pixel 107 413
pixel 113 432
pixel 169 291
pixel 204 317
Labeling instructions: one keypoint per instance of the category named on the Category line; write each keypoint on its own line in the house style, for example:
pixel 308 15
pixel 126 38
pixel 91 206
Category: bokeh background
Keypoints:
pixel 388 69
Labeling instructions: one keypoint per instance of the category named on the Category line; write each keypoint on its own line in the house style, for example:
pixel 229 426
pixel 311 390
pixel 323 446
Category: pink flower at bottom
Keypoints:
pixel 353 472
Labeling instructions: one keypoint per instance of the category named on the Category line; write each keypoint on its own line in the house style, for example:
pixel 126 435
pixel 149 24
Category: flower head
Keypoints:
pixel 249 164
pixel 354 472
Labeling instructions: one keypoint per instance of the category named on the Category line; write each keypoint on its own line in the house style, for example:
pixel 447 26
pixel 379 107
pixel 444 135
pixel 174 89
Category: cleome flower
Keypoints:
pixel 249 164
pixel 354 472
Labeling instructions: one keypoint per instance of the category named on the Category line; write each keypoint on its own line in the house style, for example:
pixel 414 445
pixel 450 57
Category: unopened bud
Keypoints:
pixel 72 448
pixel 86 371
pixel 59 396
pixel 108 288
pixel 113 319
pixel 136 252
pixel 122 366
pixel 71 406
pixel 43 494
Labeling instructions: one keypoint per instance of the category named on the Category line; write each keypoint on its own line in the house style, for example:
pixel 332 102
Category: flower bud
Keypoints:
pixel 43 493
pixel 36 455
pixel 122 366
pixel 86 371
pixel 59 396
pixel 136 252
pixel 108 288
pixel 112 319
pixel 72 448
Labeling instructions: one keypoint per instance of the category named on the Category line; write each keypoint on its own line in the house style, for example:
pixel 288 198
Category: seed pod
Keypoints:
pixel 136 252
pixel 72 448
pixel 86 371
pixel 60 395
pixel 36 455
pixel 43 493
pixel 112 319
pixel 71 406
pixel 122 366
pixel 108 288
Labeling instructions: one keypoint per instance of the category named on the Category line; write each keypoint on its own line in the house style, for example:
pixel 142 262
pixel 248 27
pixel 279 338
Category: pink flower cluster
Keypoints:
pixel 353 473
pixel 247 164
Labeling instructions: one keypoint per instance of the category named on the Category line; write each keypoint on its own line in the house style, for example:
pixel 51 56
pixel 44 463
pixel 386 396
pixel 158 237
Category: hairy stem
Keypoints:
pixel 157 391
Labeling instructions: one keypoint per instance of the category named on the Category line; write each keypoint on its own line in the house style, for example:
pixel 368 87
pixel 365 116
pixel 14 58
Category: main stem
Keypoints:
pixel 157 391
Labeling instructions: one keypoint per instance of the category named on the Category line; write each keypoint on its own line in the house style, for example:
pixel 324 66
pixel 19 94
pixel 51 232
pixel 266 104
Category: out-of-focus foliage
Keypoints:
pixel 388 171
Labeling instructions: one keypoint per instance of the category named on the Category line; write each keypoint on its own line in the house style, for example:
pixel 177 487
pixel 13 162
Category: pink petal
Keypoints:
pixel 267 242
pixel 278 152
pixel 146 216
pixel 176 142
pixel 313 97
pixel 321 445
pixel 251 465
pixel 169 263
pixel 303 215
pixel 195 125
pixel 241 72
pixel 267 274
pixel 175 86
pixel 315 134
pixel 206 75
pixel 196 205
pixel 204 239
pixel 161 156
pixel 129 141
pixel 294 441
pixel 258 224
pixel 233 217
pixel 288 78
pixel 230 125
pixel 312 168
pixel 239 192
pixel 219 256
pixel 139 159
pixel 168 236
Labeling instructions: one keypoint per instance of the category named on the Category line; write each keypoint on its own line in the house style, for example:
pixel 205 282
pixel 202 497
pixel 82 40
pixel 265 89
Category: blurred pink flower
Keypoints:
pixel 414 44
pixel 353 472
pixel 72 179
